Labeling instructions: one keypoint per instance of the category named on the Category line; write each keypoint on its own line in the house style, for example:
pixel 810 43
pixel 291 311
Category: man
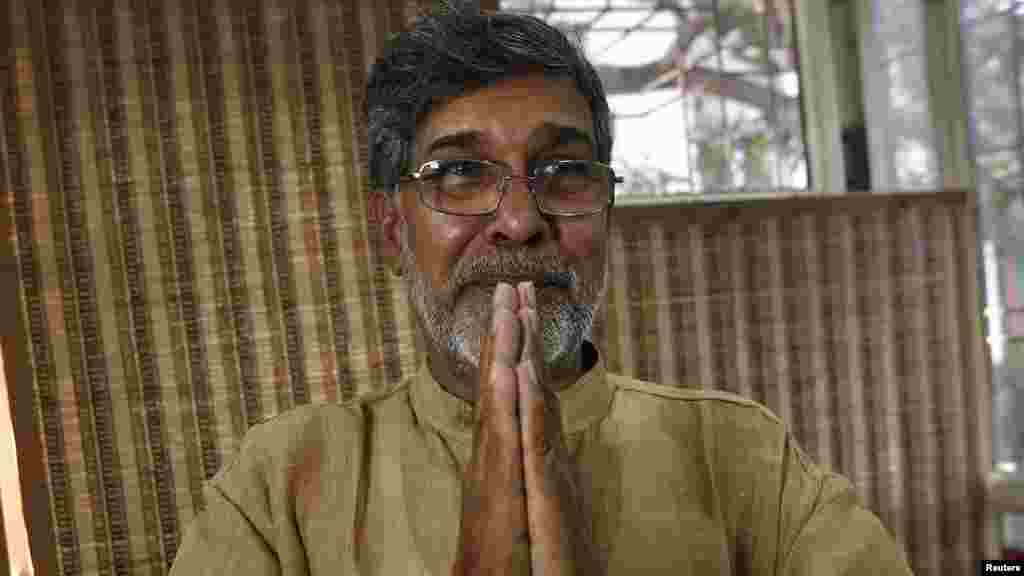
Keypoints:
pixel 512 451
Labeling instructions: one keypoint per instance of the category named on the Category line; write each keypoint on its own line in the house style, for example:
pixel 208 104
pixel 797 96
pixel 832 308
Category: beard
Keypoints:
pixel 453 317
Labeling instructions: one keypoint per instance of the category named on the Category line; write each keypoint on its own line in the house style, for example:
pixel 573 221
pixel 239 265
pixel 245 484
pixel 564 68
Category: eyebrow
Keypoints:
pixel 550 135
pixel 465 139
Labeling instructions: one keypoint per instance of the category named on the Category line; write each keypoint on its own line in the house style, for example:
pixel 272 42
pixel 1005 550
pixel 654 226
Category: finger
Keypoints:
pixel 529 334
pixel 533 341
pixel 494 531
pixel 500 351
pixel 505 326
pixel 498 399
pixel 540 420
pixel 549 493
pixel 527 294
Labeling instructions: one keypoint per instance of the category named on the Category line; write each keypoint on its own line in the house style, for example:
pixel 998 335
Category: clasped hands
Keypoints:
pixel 521 512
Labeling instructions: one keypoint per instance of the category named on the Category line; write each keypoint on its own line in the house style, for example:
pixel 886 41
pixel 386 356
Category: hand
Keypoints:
pixel 494 537
pixel 520 509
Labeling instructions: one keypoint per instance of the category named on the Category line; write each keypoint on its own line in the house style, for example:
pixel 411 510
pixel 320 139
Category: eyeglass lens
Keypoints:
pixel 473 187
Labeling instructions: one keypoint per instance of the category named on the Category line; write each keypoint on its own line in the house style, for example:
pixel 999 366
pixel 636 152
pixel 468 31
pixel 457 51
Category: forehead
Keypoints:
pixel 510 112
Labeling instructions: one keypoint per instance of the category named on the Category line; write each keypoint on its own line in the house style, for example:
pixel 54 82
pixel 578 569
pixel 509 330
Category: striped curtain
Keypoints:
pixel 183 203
pixel 854 318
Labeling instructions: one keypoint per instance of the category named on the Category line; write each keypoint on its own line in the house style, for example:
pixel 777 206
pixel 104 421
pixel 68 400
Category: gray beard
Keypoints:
pixel 453 317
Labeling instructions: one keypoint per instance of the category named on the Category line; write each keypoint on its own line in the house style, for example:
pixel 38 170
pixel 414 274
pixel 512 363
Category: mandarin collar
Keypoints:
pixel 584 403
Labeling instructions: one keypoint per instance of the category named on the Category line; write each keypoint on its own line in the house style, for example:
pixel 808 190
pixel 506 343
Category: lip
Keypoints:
pixel 515 281
pixel 538 281
pixel 489 284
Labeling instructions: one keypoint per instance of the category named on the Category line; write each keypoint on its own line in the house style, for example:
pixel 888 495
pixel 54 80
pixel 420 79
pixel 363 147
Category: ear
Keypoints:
pixel 385 210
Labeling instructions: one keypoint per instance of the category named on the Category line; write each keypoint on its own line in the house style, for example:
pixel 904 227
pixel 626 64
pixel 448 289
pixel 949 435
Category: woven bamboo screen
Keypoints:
pixel 187 252
pixel 854 318
pixel 183 199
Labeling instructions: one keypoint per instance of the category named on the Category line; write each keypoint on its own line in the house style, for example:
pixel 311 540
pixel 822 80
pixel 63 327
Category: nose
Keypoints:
pixel 518 220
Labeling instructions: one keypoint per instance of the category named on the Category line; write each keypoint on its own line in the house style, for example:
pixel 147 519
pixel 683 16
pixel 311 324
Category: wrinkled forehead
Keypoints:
pixel 522 112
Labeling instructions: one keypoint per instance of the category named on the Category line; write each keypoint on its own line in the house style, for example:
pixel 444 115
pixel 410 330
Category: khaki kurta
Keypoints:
pixel 677 481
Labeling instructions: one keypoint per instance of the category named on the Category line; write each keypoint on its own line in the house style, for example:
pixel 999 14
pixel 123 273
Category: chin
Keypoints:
pixel 564 327
pixel 564 332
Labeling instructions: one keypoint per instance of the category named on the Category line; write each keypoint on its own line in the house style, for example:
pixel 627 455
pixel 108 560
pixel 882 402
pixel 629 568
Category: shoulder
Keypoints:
pixel 725 408
pixel 300 431
pixel 281 435
pixel 295 450
pixel 742 441
pixel 288 468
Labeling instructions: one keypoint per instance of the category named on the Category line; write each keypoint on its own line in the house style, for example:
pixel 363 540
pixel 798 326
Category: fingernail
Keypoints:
pixel 531 371
pixel 503 292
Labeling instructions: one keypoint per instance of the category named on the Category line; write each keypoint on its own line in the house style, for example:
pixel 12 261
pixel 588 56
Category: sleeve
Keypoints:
pixel 221 541
pixel 258 506
pixel 842 538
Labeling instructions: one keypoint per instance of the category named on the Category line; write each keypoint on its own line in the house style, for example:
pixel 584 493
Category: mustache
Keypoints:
pixel 542 269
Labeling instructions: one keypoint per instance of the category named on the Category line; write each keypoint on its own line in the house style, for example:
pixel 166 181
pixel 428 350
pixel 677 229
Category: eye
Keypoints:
pixel 569 174
pixel 574 169
pixel 460 169
pixel 462 178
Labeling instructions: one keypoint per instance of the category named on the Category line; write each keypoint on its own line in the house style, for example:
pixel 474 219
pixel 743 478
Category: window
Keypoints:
pixel 705 93
pixel 901 133
pixel 993 38
pixel 993 35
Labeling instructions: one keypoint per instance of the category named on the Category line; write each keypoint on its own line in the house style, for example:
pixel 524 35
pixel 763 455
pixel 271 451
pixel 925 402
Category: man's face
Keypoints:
pixel 452 263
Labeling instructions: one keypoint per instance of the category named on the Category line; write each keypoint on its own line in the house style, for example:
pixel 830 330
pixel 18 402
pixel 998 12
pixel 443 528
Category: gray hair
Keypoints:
pixel 455 49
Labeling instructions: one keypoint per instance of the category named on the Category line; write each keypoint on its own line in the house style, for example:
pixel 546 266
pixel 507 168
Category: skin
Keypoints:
pixel 521 512
pixel 501 344
pixel 451 263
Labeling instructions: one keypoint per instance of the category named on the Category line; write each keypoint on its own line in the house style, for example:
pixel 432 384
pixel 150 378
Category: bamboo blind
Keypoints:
pixel 854 318
pixel 188 252
pixel 184 207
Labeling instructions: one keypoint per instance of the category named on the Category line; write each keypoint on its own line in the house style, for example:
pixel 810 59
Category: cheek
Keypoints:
pixel 583 239
pixel 442 241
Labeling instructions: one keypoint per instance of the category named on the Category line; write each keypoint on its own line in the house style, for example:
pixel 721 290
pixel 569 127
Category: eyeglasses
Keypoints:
pixel 476 187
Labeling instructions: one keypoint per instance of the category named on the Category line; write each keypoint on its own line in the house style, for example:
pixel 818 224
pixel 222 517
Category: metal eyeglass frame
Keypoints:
pixel 508 175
